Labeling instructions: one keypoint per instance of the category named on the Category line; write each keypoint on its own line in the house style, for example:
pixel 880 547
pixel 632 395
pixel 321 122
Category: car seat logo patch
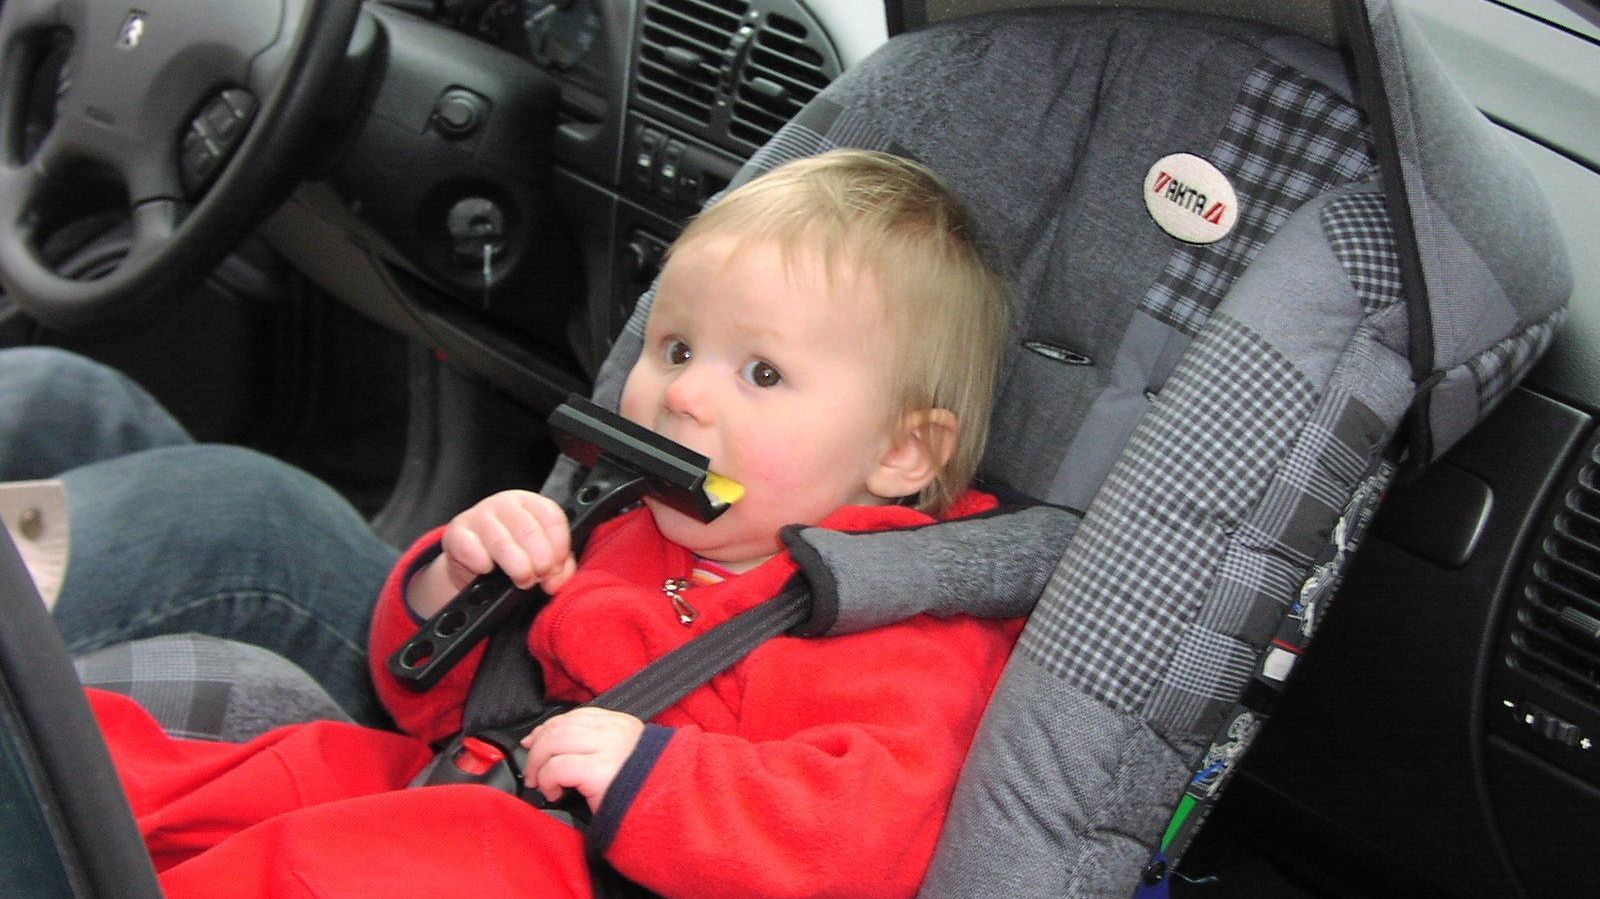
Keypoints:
pixel 1190 198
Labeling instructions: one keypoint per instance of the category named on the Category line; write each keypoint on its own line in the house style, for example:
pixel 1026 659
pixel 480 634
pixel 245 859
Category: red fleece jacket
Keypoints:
pixel 813 767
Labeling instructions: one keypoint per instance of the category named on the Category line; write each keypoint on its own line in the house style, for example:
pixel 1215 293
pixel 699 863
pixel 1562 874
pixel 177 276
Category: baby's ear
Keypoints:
pixel 923 443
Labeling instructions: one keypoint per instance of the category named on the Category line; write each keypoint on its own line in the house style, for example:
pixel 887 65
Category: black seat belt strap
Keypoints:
pixel 660 684
pixel 644 694
pixel 509 684
pixel 1366 58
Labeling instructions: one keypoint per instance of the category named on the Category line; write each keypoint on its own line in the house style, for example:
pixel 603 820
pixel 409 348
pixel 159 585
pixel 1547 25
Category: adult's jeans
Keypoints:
pixel 169 536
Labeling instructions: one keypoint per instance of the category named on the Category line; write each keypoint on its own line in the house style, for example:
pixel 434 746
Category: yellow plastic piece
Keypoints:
pixel 725 491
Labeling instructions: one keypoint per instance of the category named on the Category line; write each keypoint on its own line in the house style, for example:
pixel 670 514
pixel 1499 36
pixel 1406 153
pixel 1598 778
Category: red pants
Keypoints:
pixel 322 810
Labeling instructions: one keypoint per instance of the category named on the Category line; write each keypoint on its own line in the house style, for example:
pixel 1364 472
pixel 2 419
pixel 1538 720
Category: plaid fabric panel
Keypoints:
pixel 1497 369
pixel 1289 139
pixel 1357 227
pixel 206 688
pixel 1206 674
pixel 184 683
pixel 1140 565
pixel 1332 454
pixel 1277 563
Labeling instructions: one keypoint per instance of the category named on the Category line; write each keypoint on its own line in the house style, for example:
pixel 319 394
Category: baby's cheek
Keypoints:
pixel 771 467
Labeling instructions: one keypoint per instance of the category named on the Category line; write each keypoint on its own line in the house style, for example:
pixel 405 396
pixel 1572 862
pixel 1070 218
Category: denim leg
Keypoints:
pixel 59 410
pixel 224 541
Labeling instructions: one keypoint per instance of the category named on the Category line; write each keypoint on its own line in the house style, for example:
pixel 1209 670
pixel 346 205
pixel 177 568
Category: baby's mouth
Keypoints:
pixel 669 517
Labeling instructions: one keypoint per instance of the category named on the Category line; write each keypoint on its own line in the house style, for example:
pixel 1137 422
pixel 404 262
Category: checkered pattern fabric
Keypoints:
pixel 1357 227
pixel 1207 670
pixel 1280 555
pixel 207 688
pixel 1275 554
pixel 1143 560
pixel 1497 369
pixel 1289 139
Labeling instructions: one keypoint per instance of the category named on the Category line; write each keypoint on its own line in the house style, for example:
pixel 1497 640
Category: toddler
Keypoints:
pixel 828 335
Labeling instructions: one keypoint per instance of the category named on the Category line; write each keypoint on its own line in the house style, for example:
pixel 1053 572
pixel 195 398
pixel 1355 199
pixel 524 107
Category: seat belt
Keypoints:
pixel 1374 100
pixel 659 685
pixel 492 754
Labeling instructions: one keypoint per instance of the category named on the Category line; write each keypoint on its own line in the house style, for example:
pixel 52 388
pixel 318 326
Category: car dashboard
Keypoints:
pixel 523 165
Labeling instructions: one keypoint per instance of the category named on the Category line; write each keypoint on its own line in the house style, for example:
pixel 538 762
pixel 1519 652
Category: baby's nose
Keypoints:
pixel 689 393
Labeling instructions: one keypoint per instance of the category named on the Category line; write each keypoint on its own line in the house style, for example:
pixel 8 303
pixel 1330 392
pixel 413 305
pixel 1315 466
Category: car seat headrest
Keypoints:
pixel 1055 178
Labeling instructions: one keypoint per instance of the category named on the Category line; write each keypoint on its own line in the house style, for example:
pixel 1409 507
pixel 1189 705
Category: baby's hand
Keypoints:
pixel 523 534
pixel 582 749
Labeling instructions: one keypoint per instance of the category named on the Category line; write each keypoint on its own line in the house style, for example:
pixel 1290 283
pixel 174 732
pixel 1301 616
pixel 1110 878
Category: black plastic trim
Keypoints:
pixel 79 788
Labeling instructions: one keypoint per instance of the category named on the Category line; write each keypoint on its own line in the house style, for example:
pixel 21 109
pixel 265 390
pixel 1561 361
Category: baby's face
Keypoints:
pixel 777 374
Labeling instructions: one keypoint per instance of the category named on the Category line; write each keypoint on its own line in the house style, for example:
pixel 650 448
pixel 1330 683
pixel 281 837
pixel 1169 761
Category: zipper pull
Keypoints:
pixel 673 588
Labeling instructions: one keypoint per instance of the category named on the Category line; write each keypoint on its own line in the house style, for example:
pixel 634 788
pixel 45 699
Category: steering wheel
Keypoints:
pixel 199 111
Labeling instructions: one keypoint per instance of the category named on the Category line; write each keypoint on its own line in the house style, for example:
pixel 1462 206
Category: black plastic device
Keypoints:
pixel 625 463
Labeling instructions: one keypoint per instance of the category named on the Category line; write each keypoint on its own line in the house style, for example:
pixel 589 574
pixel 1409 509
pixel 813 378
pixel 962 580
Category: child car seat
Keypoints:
pixel 1219 398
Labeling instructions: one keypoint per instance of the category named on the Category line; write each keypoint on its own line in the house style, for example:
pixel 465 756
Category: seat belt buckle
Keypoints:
pixel 496 759
pixel 478 759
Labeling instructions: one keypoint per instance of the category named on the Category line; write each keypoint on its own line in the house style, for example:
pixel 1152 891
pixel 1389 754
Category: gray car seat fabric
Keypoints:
pixel 1109 302
pixel 1490 274
pixel 1223 413
pixel 208 688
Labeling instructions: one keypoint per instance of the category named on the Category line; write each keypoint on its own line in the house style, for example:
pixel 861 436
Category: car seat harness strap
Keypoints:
pixel 494 756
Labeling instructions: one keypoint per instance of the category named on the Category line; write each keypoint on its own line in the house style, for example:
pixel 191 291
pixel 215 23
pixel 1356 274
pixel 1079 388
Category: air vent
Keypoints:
pixel 1555 635
pixel 683 47
pixel 730 72
pixel 782 73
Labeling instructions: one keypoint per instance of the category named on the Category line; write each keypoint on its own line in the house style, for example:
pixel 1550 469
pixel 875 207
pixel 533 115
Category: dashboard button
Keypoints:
pixel 198 159
pixel 644 167
pixel 459 113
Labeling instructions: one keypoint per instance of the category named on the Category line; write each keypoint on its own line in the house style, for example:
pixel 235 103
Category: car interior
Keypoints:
pixel 393 272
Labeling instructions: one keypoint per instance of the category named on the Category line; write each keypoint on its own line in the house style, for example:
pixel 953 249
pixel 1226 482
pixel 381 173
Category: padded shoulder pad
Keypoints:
pixel 990 566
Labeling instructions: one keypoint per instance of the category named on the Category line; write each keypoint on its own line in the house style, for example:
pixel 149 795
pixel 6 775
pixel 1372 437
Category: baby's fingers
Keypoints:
pixel 551 551
pixel 467 555
pixel 521 533
pixel 559 773
pixel 582 749
pixel 558 578
pixel 518 544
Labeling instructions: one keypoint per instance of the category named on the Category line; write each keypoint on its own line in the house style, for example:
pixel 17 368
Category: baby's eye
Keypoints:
pixel 761 374
pixel 677 352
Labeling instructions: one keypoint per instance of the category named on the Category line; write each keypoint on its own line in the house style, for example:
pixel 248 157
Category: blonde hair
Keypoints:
pixel 893 220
